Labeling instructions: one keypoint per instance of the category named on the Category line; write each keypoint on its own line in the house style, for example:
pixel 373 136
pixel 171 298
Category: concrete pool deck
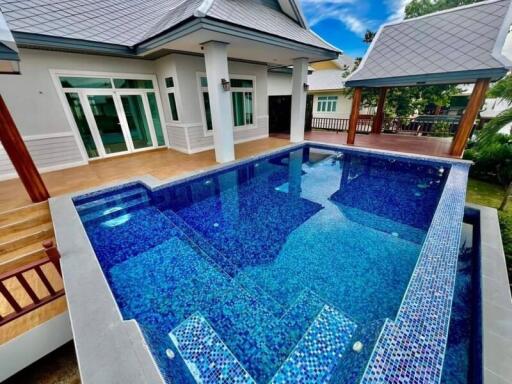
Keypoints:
pixel 110 349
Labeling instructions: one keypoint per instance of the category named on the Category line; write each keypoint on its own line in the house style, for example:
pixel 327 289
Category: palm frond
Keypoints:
pixel 492 128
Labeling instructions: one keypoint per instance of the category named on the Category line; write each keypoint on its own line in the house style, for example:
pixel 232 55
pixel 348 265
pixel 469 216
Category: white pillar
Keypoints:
pixel 299 96
pixel 216 61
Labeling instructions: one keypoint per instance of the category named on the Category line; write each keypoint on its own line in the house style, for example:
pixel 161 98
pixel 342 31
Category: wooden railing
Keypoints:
pixel 420 126
pixel 364 124
pixel 19 274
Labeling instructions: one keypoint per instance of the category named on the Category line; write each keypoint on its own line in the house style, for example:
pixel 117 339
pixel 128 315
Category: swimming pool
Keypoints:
pixel 273 269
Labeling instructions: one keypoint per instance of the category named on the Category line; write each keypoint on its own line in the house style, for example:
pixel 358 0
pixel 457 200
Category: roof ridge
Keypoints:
pixel 203 8
pixel 149 32
pixel 455 9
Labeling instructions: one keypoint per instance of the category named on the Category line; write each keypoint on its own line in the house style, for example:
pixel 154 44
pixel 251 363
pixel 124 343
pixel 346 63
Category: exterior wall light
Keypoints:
pixel 306 87
pixel 226 85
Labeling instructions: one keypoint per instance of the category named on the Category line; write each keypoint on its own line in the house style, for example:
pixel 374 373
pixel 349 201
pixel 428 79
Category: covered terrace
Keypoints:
pixel 458 46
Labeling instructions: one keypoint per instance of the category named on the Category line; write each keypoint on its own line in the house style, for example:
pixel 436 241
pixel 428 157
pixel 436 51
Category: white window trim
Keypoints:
pixel 175 90
pixel 254 101
pixel 61 92
pixel 326 102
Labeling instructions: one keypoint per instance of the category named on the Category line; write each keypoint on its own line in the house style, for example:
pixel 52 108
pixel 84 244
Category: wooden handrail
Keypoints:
pixel 53 257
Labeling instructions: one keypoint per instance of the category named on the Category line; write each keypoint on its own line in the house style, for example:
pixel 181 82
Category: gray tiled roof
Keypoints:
pixel 461 39
pixel 130 22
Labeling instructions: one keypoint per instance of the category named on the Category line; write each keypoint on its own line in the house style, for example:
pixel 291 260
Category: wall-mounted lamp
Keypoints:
pixel 306 87
pixel 226 85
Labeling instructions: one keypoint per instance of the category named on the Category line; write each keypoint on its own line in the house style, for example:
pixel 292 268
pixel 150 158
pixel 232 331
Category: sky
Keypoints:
pixel 343 23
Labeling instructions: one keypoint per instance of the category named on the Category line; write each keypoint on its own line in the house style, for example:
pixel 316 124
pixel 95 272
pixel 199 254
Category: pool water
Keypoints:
pixel 270 271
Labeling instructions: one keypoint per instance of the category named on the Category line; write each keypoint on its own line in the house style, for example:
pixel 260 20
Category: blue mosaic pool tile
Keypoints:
pixel 411 348
pixel 207 357
pixel 319 351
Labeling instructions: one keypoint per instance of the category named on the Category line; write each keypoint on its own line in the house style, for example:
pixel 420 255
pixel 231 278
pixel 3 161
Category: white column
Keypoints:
pixel 216 61
pixel 299 96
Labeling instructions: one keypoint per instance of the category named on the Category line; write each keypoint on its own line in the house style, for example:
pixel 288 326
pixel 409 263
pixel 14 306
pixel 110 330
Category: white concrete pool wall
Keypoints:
pixel 113 350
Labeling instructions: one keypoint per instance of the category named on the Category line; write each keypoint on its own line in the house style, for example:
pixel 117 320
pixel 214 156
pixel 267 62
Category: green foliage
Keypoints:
pixel 502 89
pixel 368 36
pixel 423 7
pixel 441 129
pixel 492 158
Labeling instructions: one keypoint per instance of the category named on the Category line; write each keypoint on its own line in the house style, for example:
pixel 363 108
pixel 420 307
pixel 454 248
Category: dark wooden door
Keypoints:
pixel 279 113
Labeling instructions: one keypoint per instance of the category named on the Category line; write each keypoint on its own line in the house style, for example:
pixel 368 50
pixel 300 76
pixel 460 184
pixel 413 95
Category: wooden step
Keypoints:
pixel 22 239
pixel 21 256
pixel 24 223
pixel 27 232
pixel 22 213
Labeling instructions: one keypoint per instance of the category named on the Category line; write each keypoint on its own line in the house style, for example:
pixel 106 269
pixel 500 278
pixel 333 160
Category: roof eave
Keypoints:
pixel 215 25
pixel 461 77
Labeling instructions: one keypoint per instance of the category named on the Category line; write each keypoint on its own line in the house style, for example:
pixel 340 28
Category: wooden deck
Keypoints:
pixel 433 146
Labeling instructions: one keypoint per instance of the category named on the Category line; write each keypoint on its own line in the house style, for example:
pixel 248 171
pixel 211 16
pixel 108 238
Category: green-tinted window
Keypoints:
pixel 169 82
pixel 207 111
pixel 242 108
pixel 204 82
pixel 327 103
pixel 81 123
pixel 85 82
pixel 172 104
pixel 241 83
pixel 133 83
pixel 156 118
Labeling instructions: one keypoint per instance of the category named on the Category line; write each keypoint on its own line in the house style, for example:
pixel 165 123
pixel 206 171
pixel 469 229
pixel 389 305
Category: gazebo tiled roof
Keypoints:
pixel 458 45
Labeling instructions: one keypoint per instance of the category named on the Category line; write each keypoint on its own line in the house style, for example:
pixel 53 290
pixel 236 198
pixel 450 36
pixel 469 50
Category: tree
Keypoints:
pixel 423 7
pixel 368 36
pixel 492 152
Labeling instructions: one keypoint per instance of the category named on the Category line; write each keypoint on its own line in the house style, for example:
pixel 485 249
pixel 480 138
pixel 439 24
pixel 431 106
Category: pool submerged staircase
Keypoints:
pixel 313 359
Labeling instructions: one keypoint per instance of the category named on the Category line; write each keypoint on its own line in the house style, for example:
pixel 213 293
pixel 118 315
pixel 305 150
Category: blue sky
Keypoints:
pixel 344 22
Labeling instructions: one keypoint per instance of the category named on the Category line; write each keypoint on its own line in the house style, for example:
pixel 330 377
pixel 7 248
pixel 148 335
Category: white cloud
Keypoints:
pixel 341 10
pixel 396 9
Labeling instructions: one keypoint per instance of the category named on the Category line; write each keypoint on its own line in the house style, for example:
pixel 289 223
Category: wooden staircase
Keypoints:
pixel 22 232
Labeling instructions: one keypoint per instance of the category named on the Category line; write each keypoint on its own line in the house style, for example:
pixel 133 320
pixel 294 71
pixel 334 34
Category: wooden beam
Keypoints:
pixel 468 118
pixel 379 115
pixel 354 116
pixel 20 157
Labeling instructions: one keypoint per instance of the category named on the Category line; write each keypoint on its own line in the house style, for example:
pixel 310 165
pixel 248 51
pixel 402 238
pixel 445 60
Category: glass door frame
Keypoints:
pixel 84 99
pixel 116 96
pixel 147 113
pixel 82 93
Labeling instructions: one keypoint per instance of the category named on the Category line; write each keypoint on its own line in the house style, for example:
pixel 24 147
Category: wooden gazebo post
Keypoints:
pixel 379 115
pixel 20 157
pixel 354 116
pixel 469 117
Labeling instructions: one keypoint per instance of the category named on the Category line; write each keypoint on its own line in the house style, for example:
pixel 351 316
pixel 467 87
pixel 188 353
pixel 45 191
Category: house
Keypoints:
pixel 106 79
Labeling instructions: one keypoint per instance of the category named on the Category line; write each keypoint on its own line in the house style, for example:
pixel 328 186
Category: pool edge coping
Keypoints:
pixel 77 253
pixel 495 293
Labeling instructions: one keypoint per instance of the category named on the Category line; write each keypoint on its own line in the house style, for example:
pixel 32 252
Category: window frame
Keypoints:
pixel 201 89
pixel 327 103
pixel 172 90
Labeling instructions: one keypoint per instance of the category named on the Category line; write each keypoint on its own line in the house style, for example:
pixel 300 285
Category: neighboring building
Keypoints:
pixel 326 84
pixel 101 79
pixel 492 108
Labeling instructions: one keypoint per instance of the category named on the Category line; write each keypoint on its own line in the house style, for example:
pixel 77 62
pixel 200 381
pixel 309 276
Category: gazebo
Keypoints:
pixel 458 46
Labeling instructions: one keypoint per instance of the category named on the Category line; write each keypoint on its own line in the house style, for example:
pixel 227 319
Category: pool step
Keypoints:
pixel 207 357
pixel 111 200
pixel 317 354
pixel 108 213
pixel 225 265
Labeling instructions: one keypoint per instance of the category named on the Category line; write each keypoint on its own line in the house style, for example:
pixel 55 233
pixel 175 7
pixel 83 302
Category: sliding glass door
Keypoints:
pixel 114 115
pixel 136 108
pixel 108 124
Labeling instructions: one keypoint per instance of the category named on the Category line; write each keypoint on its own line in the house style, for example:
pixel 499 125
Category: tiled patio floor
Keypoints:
pixel 161 163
